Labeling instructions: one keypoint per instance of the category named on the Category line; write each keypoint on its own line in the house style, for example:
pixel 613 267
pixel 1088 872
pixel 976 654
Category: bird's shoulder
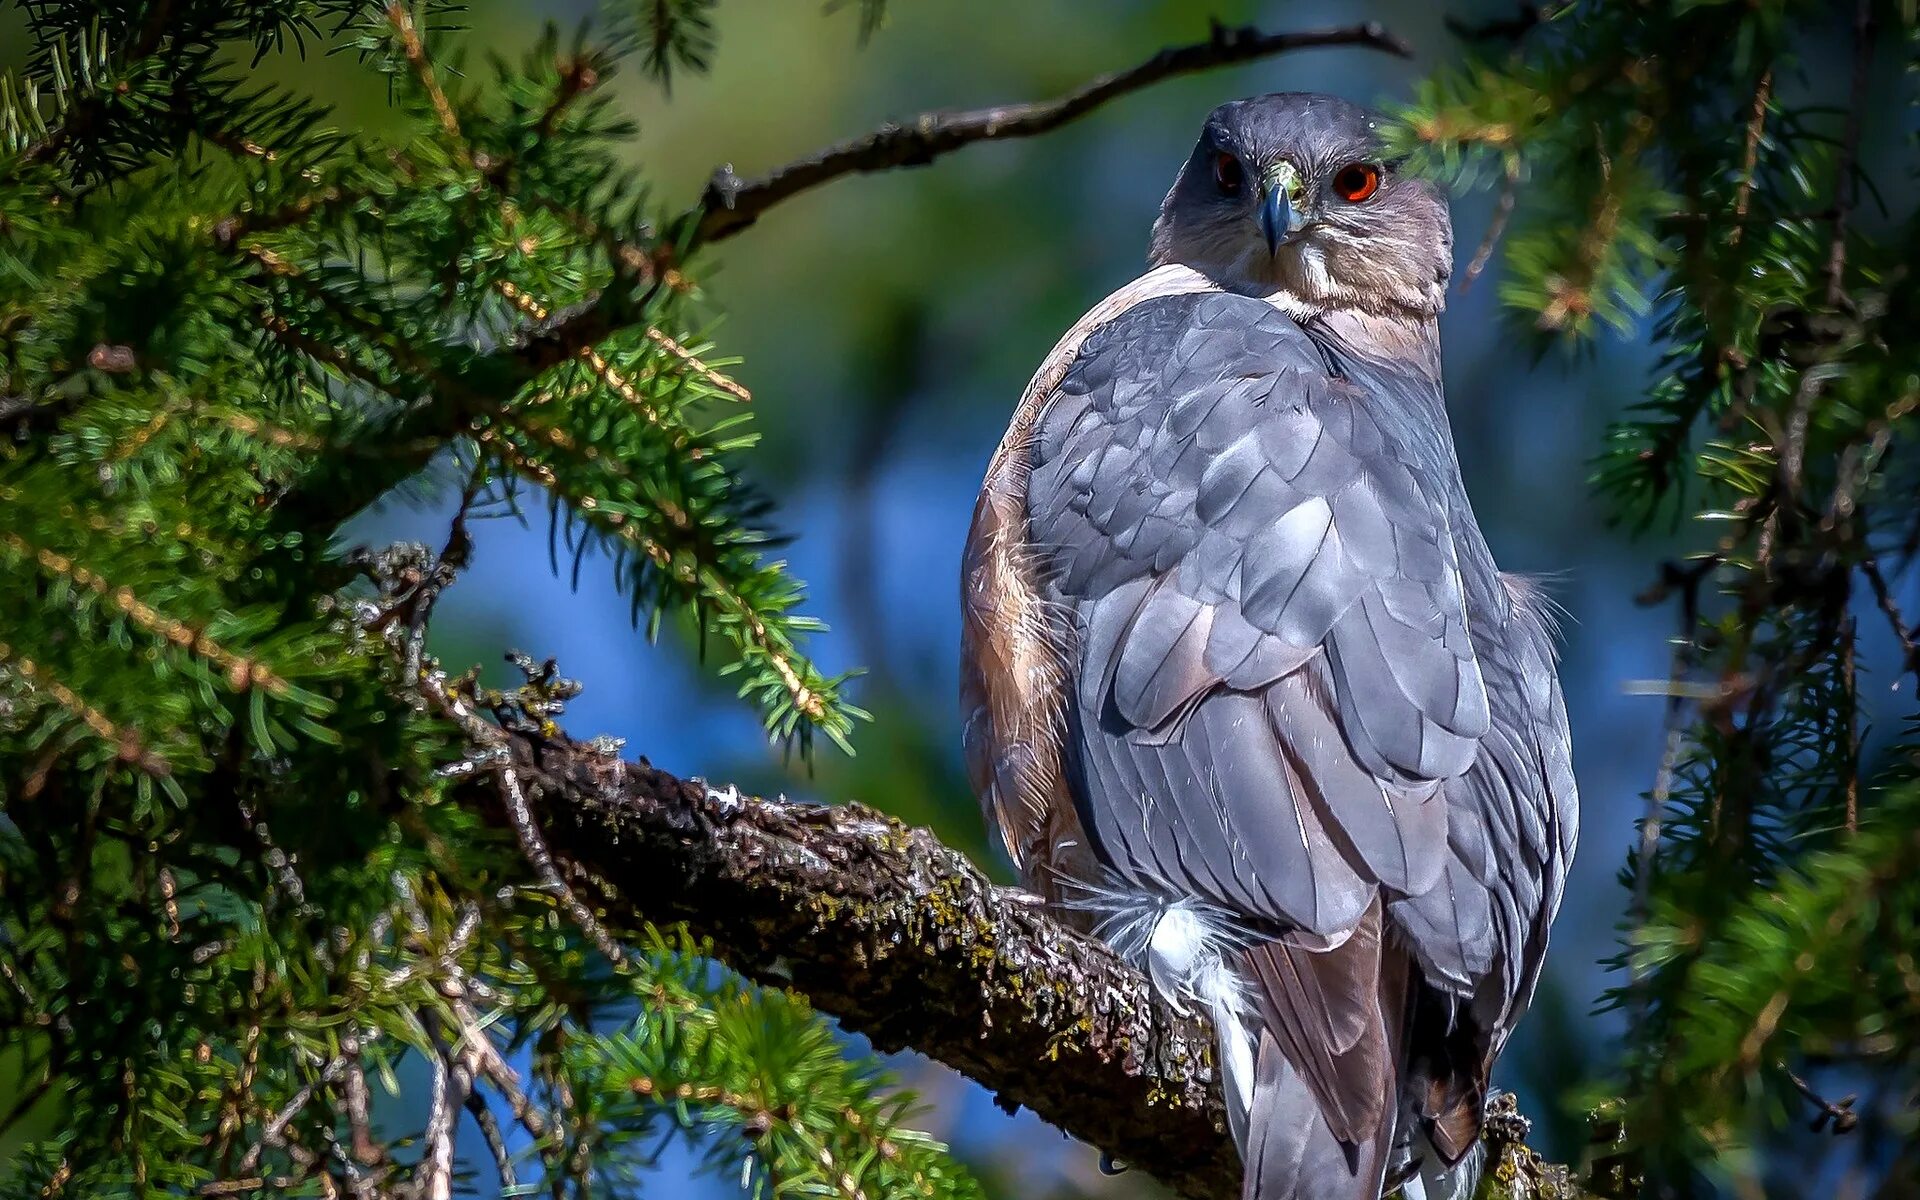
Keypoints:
pixel 1214 431
pixel 1195 337
pixel 1206 372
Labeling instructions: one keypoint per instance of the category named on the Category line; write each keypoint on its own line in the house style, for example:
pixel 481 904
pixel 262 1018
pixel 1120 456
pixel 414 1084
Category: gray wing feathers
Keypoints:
pixel 1218 810
pixel 1491 917
pixel 1263 581
pixel 1298 690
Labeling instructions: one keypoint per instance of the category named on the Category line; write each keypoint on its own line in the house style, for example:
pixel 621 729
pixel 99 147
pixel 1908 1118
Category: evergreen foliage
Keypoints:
pixel 236 901
pixel 1688 168
pixel 239 906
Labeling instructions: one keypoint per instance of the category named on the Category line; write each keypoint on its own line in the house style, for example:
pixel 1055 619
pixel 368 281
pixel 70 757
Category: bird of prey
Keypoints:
pixel 1242 684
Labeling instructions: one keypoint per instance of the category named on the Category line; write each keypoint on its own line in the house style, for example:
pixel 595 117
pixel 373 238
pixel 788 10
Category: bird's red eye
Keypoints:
pixel 1356 181
pixel 1227 175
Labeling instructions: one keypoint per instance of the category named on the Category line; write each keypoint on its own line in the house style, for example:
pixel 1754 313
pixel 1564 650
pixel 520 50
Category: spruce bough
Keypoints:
pixel 262 857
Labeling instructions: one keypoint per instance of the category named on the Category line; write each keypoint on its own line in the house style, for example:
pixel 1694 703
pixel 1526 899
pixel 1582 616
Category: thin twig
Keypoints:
pixel 416 51
pixel 490 1130
pixel 1756 124
pixel 360 1184
pixel 275 859
pixel 530 307
pixel 1846 190
pixel 722 382
pixel 541 860
pixel 730 205
pixel 357 1100
pixel 28 1098
pixel 451 1084
pixel 1839 1113
pixel 1792 450
pixel 454 555
pixel 1502 213
pixel 1687 580
pixel 1657 799
pixel 1883 596
pixel 275 1132
pixel 494 1069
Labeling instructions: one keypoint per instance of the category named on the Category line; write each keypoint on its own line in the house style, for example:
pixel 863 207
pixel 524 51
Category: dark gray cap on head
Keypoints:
pixel 1290 193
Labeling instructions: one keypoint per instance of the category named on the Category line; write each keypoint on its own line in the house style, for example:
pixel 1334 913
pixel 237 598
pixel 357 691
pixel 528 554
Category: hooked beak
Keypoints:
pixel 1282 195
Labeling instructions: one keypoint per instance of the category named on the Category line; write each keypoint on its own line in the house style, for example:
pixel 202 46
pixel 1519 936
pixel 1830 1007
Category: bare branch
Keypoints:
pixel 730 205
pixel 275 1132
pixel 496 1142
pixel 541 860
pixel 1883 596
pixel 1846 187
pixel 452 1082
pixel 1756 125
pixel 1502 213
pixel 1837 1115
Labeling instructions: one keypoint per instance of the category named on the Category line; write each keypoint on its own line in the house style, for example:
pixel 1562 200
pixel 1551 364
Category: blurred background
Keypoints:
pixel 888 323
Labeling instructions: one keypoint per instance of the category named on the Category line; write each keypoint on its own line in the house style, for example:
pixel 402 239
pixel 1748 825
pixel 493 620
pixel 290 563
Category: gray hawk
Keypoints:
pixel 1244 690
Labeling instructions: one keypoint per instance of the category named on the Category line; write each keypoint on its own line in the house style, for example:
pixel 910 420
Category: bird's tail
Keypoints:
pixel 1292 1153
pixel 1320 1115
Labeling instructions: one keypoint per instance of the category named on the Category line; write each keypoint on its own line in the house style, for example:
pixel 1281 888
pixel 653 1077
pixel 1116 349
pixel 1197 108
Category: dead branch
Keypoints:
pixel 731 204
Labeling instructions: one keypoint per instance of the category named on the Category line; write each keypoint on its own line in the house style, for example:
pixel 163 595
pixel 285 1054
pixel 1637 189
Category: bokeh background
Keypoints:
pixel 886 326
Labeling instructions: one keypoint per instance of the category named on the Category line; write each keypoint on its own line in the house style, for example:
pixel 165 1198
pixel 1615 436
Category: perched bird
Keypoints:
pixel 1243 687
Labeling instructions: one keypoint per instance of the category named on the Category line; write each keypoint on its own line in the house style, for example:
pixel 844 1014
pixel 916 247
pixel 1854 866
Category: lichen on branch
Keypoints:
pixel 906 941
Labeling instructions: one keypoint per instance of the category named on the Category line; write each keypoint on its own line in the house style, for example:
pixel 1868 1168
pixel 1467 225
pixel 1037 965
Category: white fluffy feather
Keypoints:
pixel 1184 945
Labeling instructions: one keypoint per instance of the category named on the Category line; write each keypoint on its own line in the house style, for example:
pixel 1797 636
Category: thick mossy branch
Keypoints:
pixel 907 942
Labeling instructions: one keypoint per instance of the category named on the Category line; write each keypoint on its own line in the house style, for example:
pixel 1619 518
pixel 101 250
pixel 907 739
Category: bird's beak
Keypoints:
pixel 1282 196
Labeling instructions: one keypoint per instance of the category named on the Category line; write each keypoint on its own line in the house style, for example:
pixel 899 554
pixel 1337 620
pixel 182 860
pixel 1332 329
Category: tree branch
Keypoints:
pixel 730 204
pixel 907 942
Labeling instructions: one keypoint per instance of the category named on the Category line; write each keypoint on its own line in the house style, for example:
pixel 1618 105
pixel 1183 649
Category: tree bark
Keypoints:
pixel 906 941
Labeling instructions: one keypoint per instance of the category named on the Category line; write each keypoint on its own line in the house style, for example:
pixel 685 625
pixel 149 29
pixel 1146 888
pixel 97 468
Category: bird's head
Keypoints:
pixel 1289 193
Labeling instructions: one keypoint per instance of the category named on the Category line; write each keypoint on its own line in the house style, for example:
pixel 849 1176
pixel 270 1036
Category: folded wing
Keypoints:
pixel 1272 674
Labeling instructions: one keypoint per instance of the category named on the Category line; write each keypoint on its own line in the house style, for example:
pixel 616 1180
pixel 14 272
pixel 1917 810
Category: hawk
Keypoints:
pixel 1243 688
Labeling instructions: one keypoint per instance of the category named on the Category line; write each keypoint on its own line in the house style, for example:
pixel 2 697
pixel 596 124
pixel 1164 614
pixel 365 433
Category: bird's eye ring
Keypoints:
pixel 1227 173
pixel 1356 181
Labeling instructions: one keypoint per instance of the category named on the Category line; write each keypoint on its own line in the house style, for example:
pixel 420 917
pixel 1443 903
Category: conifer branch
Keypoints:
pixel 192 405
pixel 241 672
pixel 721 382
pixel 415 50
pixel 126 742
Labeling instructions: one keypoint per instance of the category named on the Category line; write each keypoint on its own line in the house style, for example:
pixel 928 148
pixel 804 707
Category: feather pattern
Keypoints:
pixel 1294 689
